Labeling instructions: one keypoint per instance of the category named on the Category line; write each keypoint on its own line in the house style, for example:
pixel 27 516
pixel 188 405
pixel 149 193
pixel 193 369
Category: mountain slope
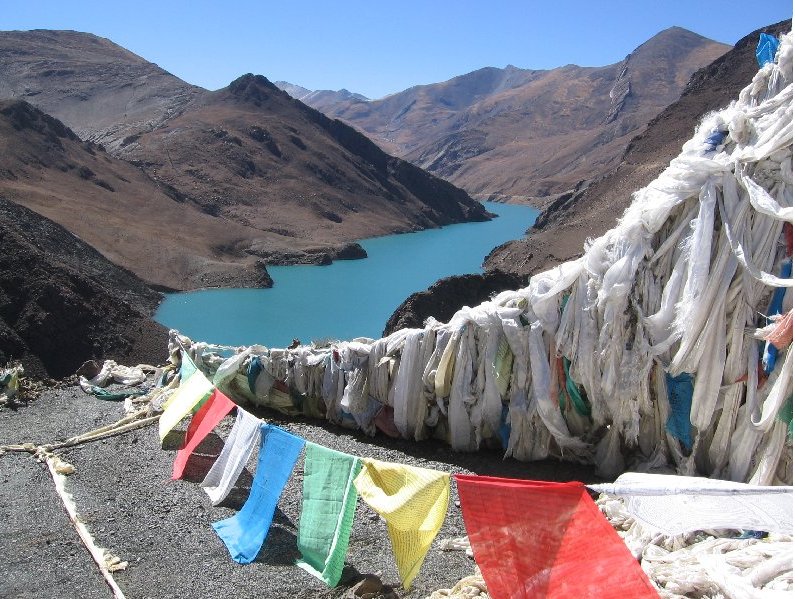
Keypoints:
pixel 561 230
pixel 256 174
pixel 62 303
pixel 252 155
pixel 516 133
pixel 115 207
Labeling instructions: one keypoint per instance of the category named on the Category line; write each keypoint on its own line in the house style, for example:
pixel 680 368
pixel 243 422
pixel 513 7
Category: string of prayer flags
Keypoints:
pixel 542 539
pixel 327 511
pixel 190 392
pixel 245 532
pixel 413 501
pixel 203 421
pixel 236 452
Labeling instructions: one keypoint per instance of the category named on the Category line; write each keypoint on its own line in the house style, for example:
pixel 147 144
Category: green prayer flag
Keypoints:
pixel 327 511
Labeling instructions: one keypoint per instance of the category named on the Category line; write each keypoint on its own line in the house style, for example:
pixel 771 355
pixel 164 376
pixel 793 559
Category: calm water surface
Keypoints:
pixel 349 298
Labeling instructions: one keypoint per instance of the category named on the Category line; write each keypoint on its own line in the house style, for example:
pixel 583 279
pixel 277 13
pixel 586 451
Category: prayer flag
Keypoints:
pixel 236 452
pixel 188 394
pixel 413 501
pixel 245 532
pixel 327 511
pixel 204 421
pixel 543 539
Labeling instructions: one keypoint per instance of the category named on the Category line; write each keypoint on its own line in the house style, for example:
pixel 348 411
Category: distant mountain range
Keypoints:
pixel 527 134
pixel 214 184
pixel 320 99
pixel 561 230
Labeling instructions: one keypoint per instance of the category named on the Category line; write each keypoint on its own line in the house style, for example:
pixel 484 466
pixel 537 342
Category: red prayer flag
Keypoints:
pixel 543 539
pixel 206 419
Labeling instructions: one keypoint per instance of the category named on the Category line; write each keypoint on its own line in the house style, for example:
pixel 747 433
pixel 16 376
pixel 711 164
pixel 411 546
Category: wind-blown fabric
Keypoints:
pixel 203 421
pixel 540 539
pixel 236 452
pixel 413 501
pixel 245 532
pixel 327 511
pixel 190 392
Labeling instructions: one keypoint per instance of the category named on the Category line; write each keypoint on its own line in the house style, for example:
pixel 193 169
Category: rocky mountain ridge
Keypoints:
pixel 110 204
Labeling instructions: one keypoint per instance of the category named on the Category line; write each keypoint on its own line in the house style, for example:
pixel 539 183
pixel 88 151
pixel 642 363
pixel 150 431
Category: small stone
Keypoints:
pixel 369 585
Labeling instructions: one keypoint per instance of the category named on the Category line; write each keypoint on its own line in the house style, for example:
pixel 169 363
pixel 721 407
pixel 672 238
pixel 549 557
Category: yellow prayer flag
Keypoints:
pixel 187 395
pixel 413 501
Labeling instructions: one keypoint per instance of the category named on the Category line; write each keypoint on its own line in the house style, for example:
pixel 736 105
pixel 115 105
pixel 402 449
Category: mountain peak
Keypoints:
pixel 252 88
pixel 676 35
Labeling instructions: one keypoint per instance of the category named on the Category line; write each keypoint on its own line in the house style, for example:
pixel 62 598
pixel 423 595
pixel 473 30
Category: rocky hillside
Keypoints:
pixel 561 230
pixel 62 303
pixel 530 134
pixel 256 175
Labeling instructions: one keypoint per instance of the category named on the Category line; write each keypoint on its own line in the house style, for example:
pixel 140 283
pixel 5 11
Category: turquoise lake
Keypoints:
pixel 349 298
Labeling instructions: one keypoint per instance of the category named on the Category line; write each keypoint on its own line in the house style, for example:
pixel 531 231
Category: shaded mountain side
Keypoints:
pixel 110 204
pixel 61 302
pixel 287 184
pixel 529 134
pixel 445 297
pixel 561 230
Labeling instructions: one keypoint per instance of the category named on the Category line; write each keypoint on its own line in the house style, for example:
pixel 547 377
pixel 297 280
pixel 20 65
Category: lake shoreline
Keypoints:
pixel 334 301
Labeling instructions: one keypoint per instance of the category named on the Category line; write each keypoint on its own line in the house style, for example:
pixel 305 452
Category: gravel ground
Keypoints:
pixel 124 494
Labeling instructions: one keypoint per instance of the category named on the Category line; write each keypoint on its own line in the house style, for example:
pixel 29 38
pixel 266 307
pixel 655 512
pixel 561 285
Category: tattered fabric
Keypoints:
pixel 245 532
pixel 327 511
pixel 203 421
pixel 413 501
pixel 539 539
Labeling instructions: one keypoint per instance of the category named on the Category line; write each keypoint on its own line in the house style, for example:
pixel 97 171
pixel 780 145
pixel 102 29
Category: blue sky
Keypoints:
pixel 378 47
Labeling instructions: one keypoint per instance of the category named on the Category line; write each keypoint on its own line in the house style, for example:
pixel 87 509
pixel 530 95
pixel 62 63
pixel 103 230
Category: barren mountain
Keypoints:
pixel 529 134
pixel 561 230
pixel 251 173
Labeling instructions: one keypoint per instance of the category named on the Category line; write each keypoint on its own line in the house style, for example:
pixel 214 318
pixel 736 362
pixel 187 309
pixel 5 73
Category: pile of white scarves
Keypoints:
pixel 676 287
